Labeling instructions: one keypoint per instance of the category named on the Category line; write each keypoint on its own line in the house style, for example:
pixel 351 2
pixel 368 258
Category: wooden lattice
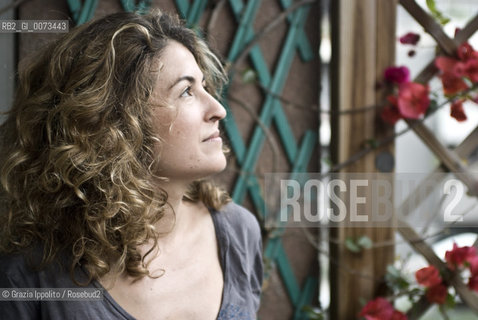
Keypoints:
pixel 451 160
pixel 362 32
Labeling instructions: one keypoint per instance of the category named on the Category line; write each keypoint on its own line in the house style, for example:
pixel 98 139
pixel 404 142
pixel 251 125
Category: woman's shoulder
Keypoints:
pixel 16 270
pixel 239 216
pixel 239 221
pixel 10 262
pixel 23 270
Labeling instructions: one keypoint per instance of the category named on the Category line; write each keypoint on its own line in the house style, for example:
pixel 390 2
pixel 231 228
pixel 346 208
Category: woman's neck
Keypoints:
pixel 179 216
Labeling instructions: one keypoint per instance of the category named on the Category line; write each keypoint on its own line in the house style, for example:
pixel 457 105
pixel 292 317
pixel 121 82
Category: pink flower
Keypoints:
pixel 465 52
pixel 397 315
pixel 428 276
pixel 390 113
pixel 452 85
pixel 457 111
pixel 474 98
pixel 413 100
pixel 397 75
pixel 471 69
pixel 410 38
pixel 453 70
pixel 459 255
pixel 473 283
pixel 473 262
pixel 378 309
pixel 450 66
pixel 437 294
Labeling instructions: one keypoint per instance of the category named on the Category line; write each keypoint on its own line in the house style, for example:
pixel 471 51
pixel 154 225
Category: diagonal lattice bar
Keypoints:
pixel 142 7
pixel 191 12
pixel 82 13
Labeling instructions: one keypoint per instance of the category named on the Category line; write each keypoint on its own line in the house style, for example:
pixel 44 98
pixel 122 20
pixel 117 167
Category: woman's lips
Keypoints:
pixel 215 137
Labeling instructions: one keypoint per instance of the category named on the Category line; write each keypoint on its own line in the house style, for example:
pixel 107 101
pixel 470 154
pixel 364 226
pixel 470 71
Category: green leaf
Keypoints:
pixel 436 13
pixel 432 107
pixel 450 301
pixel 362 301
pixel 248 76
pixel 415 294
pixel 395 280
pixel 327 161
pixel 393 271
pixel 373 143
pixel 352 246
pixel 364 242
pixel 313 313
pixel 431 5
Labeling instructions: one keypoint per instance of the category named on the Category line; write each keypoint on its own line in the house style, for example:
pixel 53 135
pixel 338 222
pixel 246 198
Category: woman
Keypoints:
pixel 103 158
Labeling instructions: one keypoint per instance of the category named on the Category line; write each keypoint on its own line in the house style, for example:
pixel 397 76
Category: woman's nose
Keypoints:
pixel 216 110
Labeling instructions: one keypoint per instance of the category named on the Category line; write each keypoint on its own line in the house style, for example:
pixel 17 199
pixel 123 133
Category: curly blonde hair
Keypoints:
pixel 77 148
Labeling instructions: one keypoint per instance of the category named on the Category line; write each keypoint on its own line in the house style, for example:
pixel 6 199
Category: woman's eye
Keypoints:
pixel 187 92
pixel 205 86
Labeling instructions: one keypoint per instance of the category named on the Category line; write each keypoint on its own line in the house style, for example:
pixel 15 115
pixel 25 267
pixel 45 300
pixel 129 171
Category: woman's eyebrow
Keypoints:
pixel 191 79
pixel 183 78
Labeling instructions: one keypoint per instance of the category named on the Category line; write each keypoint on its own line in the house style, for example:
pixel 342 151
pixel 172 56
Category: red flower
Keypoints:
pixel 471 70
pixel 378 309
pixel 397 75
pixel 437 294
pixel 474 98
pixel 457 111
pixel 465 52
pixel 413 100
pixel 428 276
pixel 473 283
pixel 397 315
pixel 390 113
pixel 451 66
pixel 458 255
pixel 452 85
pixel 473 265
pixel 410 38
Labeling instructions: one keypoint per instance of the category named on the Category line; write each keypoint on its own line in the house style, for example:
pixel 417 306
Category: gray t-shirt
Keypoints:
pixel 239 238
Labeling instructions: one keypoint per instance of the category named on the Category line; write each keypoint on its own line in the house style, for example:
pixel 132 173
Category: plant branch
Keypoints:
pixel 270 138
pixel 214 16
pixel 411 125
pixel 314 108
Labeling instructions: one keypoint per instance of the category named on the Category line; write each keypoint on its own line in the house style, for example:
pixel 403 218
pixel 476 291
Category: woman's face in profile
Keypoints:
pixel 187 120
